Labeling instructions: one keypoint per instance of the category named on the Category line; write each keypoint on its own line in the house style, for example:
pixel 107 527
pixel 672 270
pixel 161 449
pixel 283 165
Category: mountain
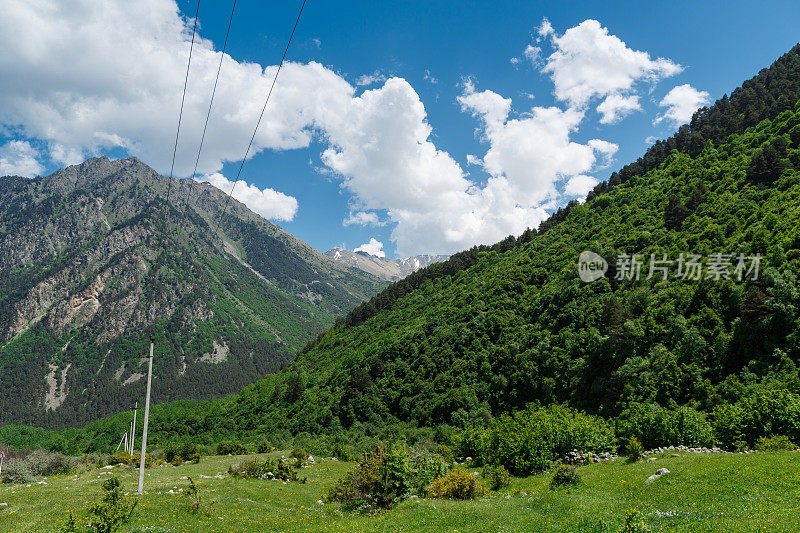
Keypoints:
pixel 497 327
pixel 84 284
pixel 384 267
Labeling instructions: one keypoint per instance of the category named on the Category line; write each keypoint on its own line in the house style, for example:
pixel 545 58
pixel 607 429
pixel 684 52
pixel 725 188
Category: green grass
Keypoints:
pixel 759 492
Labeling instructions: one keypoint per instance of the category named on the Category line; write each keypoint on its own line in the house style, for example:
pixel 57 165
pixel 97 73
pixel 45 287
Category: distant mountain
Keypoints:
pixel 83 285
pixel 383 267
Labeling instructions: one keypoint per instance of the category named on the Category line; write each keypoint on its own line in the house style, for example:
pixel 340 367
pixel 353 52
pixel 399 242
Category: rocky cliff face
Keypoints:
pixel 84 284
pixel 383 267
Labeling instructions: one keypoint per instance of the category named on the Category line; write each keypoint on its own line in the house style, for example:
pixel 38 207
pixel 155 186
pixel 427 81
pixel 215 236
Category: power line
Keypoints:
pixel 178 132
pixel 208 115
pixel 252 138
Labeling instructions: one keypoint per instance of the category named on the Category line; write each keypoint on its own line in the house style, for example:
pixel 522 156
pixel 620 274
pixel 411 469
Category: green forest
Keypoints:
pixel 669 358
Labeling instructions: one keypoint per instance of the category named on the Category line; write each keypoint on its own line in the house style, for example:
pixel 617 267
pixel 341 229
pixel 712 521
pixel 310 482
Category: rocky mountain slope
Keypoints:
pixel 84 284
pixel 384 267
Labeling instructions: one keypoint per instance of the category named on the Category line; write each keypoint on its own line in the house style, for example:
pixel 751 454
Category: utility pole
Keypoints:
pixel 146 416
pixel 133 428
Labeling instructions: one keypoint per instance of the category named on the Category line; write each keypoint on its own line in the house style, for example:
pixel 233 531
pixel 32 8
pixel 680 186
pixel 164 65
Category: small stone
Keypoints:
pixel 675 455
pixel 320 502
pixel 3 505
pixel 651 459
pixel 662 471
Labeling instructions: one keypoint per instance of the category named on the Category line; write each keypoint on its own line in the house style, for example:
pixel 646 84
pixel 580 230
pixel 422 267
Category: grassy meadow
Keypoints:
pixel 703 492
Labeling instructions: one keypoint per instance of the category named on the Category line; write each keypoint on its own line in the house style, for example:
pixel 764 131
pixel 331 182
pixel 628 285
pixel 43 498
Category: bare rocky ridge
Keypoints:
pixel 81 270
pixel 383 267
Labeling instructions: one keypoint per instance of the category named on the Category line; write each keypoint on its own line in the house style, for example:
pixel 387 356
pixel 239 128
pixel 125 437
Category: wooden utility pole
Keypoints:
pixel 146 416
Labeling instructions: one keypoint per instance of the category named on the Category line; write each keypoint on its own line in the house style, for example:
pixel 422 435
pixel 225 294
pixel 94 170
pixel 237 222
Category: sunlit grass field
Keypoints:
pixel 703 492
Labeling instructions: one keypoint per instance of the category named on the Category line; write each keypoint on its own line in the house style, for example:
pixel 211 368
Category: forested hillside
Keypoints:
pixel 85 281
pixel 495 328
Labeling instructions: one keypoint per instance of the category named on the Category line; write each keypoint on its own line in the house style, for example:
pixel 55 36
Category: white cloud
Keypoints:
pixel 86 76
pixel 616 107
pixel 681 103
pixel 545 29
pixel 587 62
pixel 19 158
pixel 370 79
pixel 534 152
pixel 373 247
pixel 579 185
pixel 430 77
pixel 533 54
pixel 363 218
pixel 267 202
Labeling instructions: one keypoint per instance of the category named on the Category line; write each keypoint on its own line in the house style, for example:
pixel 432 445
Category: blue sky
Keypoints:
pixel 453 72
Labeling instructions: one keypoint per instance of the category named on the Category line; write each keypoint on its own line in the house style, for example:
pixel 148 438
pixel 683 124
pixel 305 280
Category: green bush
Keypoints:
pixel 765 413
pixel 264 446
pixel 457 485
pixel 228 447
pixel 564 475
pixel 299 453
pixel 186 450
pixel 426 467
pixel 497 476
pixel 633 449
pixel 269 468
pixel 17 471
pixel 380 480
pixel 657 426
pixel 342 452
pixel 471 442
pixel 444 451
pixel 42 463
pixel 774 443
pixel 109 514
pixel 528 441
pixel 634 523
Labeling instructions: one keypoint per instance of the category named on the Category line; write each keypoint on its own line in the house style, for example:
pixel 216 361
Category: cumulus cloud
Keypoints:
pixel 83 77
pixel 588 62
pixel 532 153
pixel 373 247
pixel 363 218
pixel 681 103
pixel 19 158
pixel 88 76
pixel 579 185
pixel 268 203
pixel 616 107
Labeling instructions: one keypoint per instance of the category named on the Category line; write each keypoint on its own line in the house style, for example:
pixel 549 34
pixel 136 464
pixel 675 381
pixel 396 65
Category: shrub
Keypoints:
pixel 195 500
pixel 185 450
pixel 497 476
pixel 148 460
pixel 774 443
pixel 342 452
pixel 380 480
pixel 17 471
pixel 633 449
pixel 768 412
pixel 264 446
pixel 109 514
pixel 425 467
pixel 563 476
pixel 471 442
pixel 228 447
pixel 270 468
pixel 457 485
pixel 657 426
pixel 299 453
pixel 444 451
pixel 528 441
pixel 42 463
pixel 634 523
